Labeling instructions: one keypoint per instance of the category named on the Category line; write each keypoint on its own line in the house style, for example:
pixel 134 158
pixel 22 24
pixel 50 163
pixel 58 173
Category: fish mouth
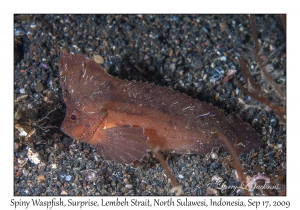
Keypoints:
pixel 84 137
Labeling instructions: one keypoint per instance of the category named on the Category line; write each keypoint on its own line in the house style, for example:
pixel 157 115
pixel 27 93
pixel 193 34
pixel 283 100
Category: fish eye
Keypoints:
pixel 73 117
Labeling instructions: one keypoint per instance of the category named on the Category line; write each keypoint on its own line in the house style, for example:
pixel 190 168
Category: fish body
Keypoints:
pixel 117 116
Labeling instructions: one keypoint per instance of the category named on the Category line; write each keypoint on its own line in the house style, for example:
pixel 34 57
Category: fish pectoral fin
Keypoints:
pixel 123 144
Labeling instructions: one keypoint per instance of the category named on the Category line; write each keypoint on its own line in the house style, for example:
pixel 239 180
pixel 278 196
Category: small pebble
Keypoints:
pixel 41 178
pixel 217 178
pixel 214 155
pixel 173 66
pixel 25 172
pixel 39 87
pixel 64 192
pixel 33 157
pixel 22 90
pixel 223 58
pixel 98 59
pixel 124 189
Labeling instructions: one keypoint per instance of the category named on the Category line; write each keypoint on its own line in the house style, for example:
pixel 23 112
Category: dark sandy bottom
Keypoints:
pixel 194 54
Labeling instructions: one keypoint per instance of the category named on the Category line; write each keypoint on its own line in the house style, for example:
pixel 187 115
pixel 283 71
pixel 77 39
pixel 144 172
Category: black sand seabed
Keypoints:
pixel 194 54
